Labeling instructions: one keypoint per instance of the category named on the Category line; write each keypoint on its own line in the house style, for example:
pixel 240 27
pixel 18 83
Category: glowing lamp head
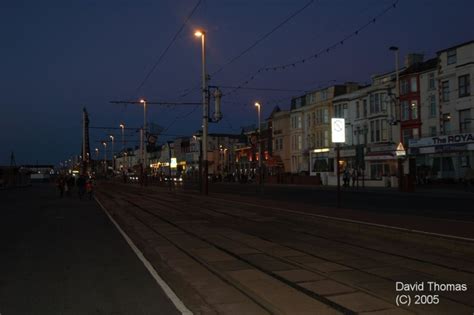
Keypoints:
pixel 111 137
pixel 199 33
pixel 122 126
pixel 142 101
pixel 257 104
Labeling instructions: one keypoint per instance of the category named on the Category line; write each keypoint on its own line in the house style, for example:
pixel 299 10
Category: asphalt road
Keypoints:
pixel 64 256
pixel 449 204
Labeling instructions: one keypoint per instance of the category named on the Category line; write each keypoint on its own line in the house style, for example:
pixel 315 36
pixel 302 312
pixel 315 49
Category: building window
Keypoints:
pixel 378 169
pixel 431 81
pixel 407 135
pixel 433 108
pixel 446 123
pixel 404 87
pixel 414 109
pixel 451 56
pixel 413 85
pixel 375 130
pixel 372 131
pixel 464 85
pixel 326 116
pixel 384 130
pixel 324 95
pixel 308 120
pixel 416 133
pixel 300 142
pixel 377 103
pixel 357 109
pixel 404 106
pixel 299 121
pixel 313 115
pixel 433 131
pixel 326 138
pixel 383 102
pixel 372 103
pixel 464 120
pixel 365 107
pixel 445 90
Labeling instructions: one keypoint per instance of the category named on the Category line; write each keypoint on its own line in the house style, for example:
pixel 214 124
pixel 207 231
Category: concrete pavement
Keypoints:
pixel 63 256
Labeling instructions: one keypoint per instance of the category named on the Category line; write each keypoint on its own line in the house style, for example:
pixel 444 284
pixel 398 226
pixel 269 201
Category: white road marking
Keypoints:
pixel 168 291
pixel 453 237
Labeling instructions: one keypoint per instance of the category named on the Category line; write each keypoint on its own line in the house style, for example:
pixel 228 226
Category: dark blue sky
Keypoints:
pixel 58 56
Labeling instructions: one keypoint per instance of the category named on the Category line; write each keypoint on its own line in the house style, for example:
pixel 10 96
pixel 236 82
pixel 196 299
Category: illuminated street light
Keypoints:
pixel 142 140
pixel 257 104
pixel 205 110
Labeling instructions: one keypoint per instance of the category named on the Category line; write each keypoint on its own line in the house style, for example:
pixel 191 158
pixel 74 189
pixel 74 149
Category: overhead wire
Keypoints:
pixel 253 45
pixel 167 48
pixel 315 55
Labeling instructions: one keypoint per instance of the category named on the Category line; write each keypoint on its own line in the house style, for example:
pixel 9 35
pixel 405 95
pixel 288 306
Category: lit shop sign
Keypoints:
pixel 174 163
pixel 338 130
pixel 442 140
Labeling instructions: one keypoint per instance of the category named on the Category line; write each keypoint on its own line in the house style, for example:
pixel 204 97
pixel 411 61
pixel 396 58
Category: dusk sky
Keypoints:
pixel 59 56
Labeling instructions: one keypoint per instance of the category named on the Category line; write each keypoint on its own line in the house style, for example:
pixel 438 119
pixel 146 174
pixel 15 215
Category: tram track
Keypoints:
pixel 171 204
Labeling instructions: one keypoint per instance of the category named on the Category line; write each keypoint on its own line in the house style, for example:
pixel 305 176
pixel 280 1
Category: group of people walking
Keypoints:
pixel 66 184
pixel 349 175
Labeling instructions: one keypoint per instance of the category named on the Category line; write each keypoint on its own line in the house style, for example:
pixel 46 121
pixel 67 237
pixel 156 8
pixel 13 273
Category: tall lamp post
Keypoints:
pixel 144 157
pixel 113 154
pixel 205 110
pixel 259 143
pixel 122 126
pixel 199 140
pixel 105 157
pixel 397 108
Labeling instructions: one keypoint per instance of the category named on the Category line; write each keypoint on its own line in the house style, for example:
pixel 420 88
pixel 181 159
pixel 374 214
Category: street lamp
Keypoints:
pixel 113 154
pixel 205 110
pixel 198 139
pixel 397 108
pixel 257 104
pixel 105 156
pixel 122 126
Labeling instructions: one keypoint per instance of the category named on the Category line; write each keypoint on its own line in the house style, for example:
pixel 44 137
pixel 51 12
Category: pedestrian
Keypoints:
pixel 468 178
pixel 69 185
pixel 89 188
pixel 80 183
pixel 345 177
pixel 60 183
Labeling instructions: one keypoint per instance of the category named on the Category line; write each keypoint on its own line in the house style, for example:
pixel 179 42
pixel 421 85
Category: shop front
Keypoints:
pixel 381 162
pixel 443 157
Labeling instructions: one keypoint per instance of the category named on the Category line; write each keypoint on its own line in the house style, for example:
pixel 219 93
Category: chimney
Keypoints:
pixel 412 58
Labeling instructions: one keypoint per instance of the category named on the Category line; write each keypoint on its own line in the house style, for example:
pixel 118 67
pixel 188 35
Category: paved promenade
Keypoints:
pixel 64 256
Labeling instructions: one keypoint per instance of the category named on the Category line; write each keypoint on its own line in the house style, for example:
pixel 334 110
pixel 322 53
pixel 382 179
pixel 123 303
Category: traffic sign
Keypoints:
pixel 338 130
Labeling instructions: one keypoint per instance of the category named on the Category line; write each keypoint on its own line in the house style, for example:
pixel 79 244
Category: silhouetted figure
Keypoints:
pixel 61 183
pixel 81 186
pixel 89 188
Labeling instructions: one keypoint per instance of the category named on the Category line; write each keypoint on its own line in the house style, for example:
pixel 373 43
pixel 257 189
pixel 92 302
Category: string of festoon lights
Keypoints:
pixel 315 55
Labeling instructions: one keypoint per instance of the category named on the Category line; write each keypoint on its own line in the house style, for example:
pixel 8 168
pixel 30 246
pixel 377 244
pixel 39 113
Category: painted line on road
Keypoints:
pixel 168 291
pixel 453 237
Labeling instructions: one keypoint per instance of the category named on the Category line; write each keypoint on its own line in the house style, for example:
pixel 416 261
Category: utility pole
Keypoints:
pixel 84 158
pixel 338 169
pixel 142 143
pixel 205 111
pixel 397 108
